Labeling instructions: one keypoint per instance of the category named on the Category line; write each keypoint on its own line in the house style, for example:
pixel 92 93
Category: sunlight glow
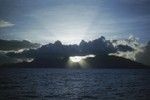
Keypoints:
pixel 79 60
pixel 76 59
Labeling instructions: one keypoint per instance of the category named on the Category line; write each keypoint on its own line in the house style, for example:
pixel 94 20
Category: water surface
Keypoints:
pixel 67 84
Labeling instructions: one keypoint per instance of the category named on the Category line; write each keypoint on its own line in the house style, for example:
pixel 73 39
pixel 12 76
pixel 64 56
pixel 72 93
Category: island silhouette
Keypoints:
pixel 57 55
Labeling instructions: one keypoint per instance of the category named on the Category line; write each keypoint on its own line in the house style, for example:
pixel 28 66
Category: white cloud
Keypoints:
pixel 5 24
pixel 15 51
pixel 131 42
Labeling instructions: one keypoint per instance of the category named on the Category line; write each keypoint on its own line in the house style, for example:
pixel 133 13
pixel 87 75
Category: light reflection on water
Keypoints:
pixel 66 84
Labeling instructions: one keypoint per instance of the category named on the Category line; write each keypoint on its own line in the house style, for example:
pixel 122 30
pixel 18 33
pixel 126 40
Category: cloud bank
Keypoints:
pixel 135 50
pixel 127 48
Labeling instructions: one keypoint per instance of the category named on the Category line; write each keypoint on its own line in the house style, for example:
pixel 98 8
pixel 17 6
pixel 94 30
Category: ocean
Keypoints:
pixel 74 84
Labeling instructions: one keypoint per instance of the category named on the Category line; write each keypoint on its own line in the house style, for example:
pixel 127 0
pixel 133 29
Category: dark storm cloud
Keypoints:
pixel 124 48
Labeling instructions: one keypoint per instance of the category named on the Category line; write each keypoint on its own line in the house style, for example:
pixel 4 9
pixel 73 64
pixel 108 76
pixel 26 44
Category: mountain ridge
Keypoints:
pixel 16 44
pixel 56 55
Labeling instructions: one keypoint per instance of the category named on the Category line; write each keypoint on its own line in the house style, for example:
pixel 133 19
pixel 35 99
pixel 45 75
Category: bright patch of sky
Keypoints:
pixel 70 21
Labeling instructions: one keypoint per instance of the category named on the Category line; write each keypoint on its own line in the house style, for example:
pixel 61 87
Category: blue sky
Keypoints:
pixel 70 21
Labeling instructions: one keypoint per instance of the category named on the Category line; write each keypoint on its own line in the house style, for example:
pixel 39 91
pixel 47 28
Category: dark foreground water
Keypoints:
pixel 67 84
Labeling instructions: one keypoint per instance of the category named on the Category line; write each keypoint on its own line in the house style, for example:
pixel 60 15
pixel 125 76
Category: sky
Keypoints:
pixel 71 21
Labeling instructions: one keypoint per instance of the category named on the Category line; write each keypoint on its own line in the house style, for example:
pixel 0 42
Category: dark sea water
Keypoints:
pixel 67 84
